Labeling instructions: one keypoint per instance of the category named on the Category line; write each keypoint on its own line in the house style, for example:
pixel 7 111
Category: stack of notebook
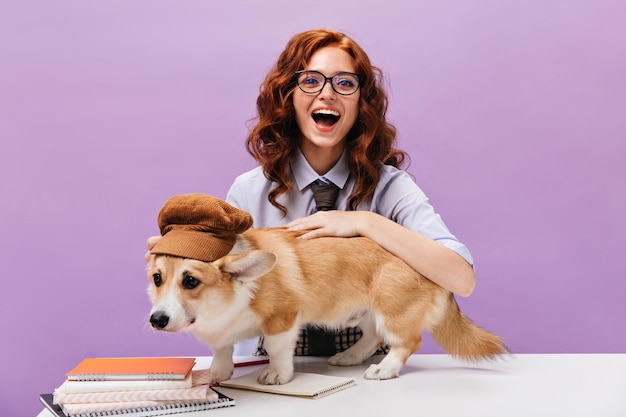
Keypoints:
pixel 134 386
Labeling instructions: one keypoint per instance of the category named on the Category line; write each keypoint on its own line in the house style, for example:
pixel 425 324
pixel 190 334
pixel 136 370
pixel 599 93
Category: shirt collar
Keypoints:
pixel 304 174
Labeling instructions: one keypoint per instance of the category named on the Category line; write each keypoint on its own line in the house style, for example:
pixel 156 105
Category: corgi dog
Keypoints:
pixel 271 284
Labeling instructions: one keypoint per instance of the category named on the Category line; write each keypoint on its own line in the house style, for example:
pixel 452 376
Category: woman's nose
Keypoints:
pixel 327 91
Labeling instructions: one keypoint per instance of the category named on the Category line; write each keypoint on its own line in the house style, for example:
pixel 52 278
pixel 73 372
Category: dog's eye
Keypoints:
pixel 157 279
pixel 190 282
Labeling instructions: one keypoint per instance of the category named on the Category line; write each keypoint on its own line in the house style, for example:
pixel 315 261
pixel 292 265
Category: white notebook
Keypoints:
pixel 303 384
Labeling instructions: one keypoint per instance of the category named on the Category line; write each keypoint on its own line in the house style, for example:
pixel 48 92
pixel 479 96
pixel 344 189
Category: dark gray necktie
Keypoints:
pixel 321 342
pixel 325 195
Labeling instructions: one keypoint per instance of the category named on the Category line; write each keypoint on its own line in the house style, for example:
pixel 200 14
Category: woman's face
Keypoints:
pixel 326 117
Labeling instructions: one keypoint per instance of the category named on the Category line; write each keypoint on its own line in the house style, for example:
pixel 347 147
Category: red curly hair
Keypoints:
pixel 274 139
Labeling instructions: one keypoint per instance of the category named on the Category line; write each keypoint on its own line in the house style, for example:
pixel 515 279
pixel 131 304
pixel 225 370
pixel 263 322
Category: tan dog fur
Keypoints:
pixel 272 283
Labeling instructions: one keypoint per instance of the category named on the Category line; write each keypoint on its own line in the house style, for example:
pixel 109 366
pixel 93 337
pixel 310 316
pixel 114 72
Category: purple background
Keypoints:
pixel 513 112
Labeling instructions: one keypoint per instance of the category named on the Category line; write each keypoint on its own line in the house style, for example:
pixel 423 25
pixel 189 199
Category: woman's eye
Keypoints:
pixel 311 81
pixel 157 279
pixel 345 83
pixel 190 282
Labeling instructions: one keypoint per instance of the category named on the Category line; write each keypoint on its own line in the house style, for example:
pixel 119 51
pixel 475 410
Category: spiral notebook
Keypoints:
pixel 137 368
pixel 145 411
pixel 303 384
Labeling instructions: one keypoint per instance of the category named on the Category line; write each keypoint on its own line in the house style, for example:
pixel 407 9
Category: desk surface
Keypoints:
pixel 530 385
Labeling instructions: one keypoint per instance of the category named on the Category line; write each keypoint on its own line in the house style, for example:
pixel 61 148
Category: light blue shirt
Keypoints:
pixel 396 197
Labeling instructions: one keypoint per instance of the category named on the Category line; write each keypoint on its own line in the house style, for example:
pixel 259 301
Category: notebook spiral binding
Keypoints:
pixel 173 408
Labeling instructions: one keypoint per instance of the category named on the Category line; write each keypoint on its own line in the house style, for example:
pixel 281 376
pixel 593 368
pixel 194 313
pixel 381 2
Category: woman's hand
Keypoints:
pixel 335 223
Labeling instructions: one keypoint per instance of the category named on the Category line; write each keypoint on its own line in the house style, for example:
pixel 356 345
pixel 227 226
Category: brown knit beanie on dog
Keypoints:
pixel 199 226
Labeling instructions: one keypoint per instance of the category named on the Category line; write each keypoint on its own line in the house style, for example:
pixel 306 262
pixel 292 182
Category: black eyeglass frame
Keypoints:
pixel 327 79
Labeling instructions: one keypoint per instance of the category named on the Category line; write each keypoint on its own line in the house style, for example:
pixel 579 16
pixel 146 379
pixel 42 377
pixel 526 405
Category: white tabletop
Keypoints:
pixel 529 385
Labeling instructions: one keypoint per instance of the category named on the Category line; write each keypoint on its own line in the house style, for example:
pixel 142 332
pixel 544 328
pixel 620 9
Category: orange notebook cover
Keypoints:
pixel 134 368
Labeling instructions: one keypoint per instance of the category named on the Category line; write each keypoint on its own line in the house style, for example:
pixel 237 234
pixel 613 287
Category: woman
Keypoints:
pixel 322 116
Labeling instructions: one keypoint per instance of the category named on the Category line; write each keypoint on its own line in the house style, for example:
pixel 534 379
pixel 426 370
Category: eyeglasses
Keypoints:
pixel 344 83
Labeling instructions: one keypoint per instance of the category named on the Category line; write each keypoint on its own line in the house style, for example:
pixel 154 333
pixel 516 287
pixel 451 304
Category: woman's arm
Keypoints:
pixel 430 258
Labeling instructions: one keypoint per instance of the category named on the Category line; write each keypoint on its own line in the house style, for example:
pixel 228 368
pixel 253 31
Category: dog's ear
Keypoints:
pixel 149 260
pixel 249 266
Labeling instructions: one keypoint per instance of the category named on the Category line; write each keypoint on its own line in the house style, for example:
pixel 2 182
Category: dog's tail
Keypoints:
pixel 463 339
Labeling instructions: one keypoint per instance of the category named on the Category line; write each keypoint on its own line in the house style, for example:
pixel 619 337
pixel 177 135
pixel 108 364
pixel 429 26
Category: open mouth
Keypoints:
pixel 325 117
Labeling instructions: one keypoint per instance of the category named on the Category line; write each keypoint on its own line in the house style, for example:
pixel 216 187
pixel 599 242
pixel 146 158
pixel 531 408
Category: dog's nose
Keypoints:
pixel 159 320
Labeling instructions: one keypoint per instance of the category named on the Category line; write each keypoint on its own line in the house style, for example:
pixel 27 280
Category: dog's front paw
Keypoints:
pixel 218 375
pixel 380 371
pixel 273 377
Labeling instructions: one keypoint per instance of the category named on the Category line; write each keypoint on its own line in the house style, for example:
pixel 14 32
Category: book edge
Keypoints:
pixel 50 406
pixel 81 387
